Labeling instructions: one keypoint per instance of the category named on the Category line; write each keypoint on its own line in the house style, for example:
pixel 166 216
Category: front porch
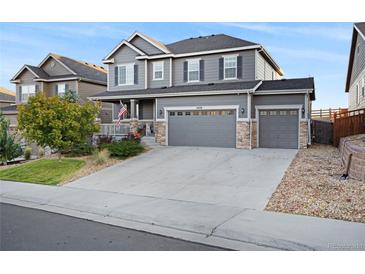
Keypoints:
pixel 140 117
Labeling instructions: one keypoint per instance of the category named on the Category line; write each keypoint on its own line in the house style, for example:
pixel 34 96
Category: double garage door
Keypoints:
pixel 211 128
pixel 217 128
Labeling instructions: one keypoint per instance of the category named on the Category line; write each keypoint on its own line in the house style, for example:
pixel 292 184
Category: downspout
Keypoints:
pixel 249 116
pixel 308 120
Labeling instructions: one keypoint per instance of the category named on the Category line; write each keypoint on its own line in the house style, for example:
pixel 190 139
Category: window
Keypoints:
pixel 179 114
pixel 26 92
pixel 230 67
pixel 126 74
pixel 172 113
pixel 193 70
pixel 61 89
pixel 363 87
pixel 158 70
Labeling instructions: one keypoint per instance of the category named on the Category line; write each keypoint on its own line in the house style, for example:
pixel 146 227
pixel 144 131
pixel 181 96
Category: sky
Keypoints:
pixel 320 50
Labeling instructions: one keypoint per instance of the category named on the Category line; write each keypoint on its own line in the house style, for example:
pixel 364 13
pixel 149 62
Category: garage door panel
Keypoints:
pixel 203 128
pixel 278 128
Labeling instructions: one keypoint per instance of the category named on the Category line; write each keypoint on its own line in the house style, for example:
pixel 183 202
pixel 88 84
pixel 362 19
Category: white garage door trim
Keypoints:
pixel 192 108
pixel 261 107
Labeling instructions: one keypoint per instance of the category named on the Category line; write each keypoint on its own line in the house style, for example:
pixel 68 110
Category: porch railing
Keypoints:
pixel 113 129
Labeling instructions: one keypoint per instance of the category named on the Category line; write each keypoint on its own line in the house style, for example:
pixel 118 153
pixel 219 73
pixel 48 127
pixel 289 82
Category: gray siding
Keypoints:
pixel 287 99
pixel 145 46
pixel 126 55
pixel 51 87
pixel 145 110
pixel 211 64
pixel 53 68
pixel 264 71
pixel 240 100
pixel 166 77
pixel 359 59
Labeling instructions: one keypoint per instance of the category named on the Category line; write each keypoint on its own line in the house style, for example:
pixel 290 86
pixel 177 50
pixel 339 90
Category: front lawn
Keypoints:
pixel 44 171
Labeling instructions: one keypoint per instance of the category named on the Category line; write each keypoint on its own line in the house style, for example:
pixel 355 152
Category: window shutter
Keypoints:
pixel 201 67
pixel 66 87
pixel 36 88
pixel 239 67
pixel 185 69
pixel 56 89
pixel 20 94
pixel 116 70
pixel 221 68
pixel 136 74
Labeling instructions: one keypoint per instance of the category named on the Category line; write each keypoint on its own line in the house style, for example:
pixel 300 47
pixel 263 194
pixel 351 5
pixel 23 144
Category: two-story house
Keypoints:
pixel 215 90
pixel 355 82
pixel 55 75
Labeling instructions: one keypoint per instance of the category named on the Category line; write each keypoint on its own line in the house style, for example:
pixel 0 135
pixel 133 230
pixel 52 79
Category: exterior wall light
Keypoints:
pixel 161 111
pixel 242 110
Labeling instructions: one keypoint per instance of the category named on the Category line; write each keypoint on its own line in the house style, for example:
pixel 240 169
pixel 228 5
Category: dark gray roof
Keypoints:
pixel 360 27
pixel 243 85
pixel 84 69
pixel 288 84
pixel 205 43
pixel 40 72
pixel 274 85
pixel 9 108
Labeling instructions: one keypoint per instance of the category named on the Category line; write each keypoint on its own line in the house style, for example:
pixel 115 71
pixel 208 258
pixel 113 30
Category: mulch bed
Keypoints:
pixel 312 186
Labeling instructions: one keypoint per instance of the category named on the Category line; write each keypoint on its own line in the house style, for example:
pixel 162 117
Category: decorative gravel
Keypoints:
pixel 312 186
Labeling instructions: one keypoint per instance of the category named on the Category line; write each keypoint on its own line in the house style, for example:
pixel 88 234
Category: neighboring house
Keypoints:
pixel 54 76
pixel 215 90
pixel 355 82
pixel 7 97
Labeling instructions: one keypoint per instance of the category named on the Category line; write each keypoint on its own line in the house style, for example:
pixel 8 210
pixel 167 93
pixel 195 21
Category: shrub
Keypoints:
pixel 9 149
pixel 83 149
pixel 101 156
pixel 41 152
pixel 123 149
pixel 27 153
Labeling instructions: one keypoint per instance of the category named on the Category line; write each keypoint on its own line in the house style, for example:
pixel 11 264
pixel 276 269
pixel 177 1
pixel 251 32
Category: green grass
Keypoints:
pixel 44 171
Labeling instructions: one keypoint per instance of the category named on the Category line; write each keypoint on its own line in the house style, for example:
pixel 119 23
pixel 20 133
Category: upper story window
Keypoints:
pixel 158 70
pixel 126 74
pixel 26 92
pixel 230 67
pixel 357 94
pixel 61 89
pixel 193 70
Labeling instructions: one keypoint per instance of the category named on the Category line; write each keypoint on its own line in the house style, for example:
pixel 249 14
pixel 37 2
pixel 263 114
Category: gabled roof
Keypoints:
pixel 36 71
pixel 207 43
pixel 7 95
pixel 150 40
pixel 126 43
pixel 359 29
pixel 77 69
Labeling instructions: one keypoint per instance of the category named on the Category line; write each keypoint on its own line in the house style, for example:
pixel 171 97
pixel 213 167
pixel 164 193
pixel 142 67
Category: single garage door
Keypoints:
pixel 211 128
pixel 278 128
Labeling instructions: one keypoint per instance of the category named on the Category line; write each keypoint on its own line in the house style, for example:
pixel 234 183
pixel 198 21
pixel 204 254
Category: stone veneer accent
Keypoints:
pixel 303 137
pixel 134 126
pixel 242 135
pixel 357 166
pixel 254 134
pixel 160 133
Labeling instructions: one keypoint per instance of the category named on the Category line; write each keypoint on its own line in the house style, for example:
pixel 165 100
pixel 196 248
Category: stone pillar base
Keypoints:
pixel 133 126
pixel 243 135
pixel 303 138
pixel 160 133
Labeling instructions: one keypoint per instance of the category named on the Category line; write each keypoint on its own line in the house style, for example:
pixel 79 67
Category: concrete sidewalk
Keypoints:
pixel 219 225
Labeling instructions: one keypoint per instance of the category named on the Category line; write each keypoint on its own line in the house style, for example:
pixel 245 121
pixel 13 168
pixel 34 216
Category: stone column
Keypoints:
pixel 134 120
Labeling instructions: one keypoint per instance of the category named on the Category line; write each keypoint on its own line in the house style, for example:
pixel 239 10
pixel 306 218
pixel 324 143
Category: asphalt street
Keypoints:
pixel 31 229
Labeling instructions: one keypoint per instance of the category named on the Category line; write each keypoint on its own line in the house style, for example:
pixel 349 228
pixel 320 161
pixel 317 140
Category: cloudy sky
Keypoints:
pixel 301 49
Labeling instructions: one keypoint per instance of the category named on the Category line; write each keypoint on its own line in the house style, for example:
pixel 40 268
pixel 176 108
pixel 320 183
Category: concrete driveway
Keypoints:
pixel 220 176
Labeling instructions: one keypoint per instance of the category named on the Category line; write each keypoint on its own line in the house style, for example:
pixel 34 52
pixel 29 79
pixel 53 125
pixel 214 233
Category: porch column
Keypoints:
pixel 134 120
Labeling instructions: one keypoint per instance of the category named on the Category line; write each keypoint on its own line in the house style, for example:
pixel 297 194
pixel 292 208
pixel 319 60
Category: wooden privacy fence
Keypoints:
pixel 327 114
pixel 347 124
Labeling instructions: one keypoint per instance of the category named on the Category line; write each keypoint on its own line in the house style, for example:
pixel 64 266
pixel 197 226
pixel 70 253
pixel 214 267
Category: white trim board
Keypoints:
pixel 21 70
pixel 147 39
pixel 124 42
